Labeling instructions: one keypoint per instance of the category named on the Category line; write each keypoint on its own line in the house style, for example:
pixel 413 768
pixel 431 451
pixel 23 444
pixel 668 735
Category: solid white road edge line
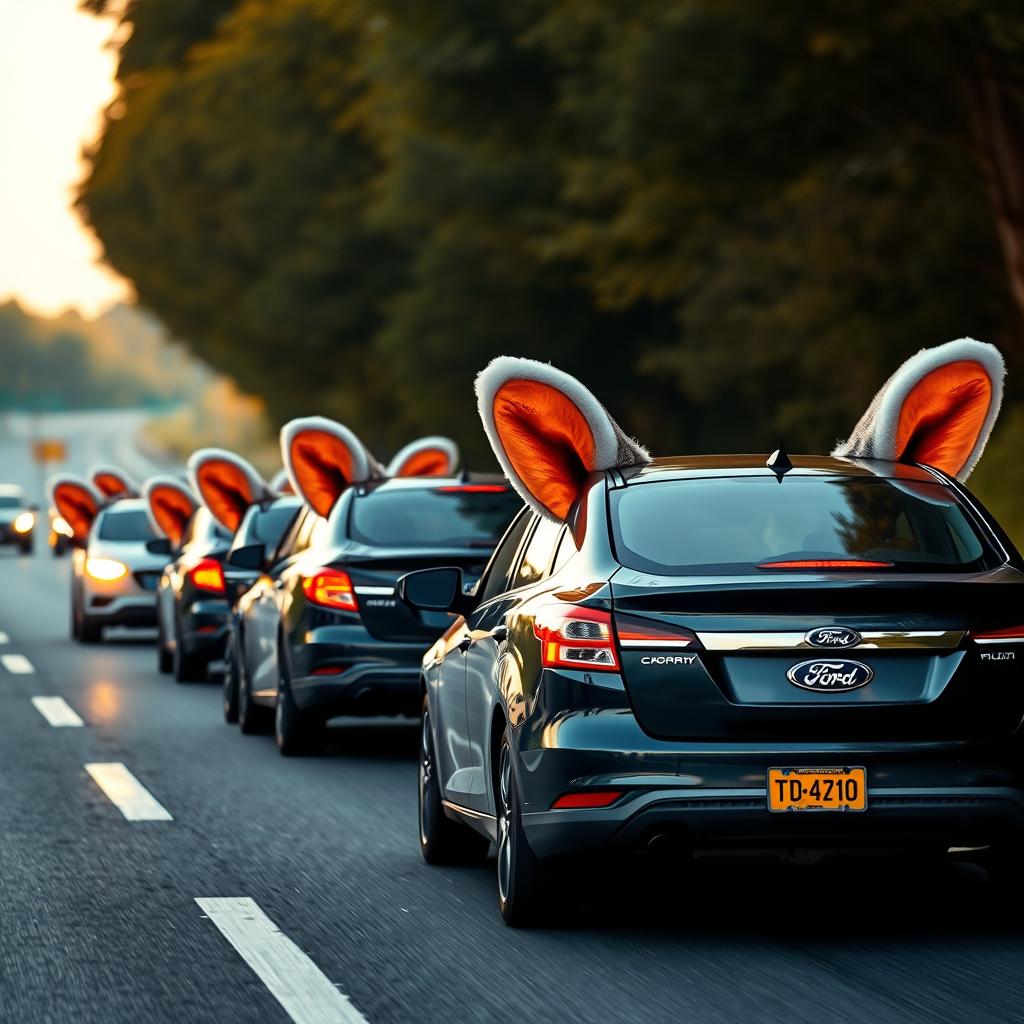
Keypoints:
pixel 125 791
pixel 291 977
pixel 57 711
pixel 17 664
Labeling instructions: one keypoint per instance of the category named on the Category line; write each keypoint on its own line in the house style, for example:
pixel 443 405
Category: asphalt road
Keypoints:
pixel 99 919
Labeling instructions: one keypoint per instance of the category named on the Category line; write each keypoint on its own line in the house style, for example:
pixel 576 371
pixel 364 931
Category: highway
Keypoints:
pixel 221 882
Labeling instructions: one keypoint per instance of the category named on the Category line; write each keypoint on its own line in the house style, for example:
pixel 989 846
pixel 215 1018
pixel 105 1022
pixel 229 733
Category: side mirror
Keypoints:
pixel 159 546
pixel 432 590
pixel 252 556
pixel 33 508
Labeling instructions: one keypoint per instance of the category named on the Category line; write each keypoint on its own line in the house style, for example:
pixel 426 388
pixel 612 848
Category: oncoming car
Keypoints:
pixel 116 572
pixel 734 652
pixel 17 520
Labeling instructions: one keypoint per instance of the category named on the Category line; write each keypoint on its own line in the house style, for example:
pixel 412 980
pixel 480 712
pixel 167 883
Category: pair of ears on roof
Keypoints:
pixel 550 433
pixel 323 458
pixel 78 500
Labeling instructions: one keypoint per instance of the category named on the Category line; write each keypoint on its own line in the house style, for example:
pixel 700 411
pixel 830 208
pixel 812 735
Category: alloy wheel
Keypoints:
pixel 504 843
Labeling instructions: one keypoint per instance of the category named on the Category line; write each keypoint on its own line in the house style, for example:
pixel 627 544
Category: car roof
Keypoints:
pixel 429 483
pixel 682 467
pixel 11 491
pixel 125 505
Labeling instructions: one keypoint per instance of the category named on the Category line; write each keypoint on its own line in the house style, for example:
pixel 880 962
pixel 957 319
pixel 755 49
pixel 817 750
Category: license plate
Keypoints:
pixel 817 789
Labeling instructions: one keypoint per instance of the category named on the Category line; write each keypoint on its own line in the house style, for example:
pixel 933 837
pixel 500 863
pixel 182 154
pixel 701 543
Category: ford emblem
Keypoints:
pixel 830 676
pixel 833 636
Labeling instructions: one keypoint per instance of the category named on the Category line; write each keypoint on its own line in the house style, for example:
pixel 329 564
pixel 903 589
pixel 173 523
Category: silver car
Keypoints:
pixel 115 575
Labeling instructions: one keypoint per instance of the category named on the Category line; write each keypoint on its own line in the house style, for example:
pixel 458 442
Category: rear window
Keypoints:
pixel 267 526
pixel 131 524
pixel 457 517
pixel 738 524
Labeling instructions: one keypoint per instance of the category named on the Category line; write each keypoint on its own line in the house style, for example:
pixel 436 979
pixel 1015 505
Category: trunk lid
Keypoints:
pixel 910 671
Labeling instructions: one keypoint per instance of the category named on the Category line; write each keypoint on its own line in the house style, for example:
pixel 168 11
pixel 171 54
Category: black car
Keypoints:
pixel 192 603
pixel 322 634
pixel 724 652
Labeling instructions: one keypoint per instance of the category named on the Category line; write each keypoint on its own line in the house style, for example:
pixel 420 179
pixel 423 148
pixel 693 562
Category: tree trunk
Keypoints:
pixel 997 131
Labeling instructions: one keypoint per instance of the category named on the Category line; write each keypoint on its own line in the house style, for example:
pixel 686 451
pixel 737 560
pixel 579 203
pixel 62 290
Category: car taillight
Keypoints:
pixel 637 631
pixel 575 637
pixel 208 575
pixel 1008 635
pixel 330 588
pixel 473 489
pixel 587 798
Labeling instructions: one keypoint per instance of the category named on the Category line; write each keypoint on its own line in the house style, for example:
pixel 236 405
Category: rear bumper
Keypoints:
pixel 714 795
pixel 377 678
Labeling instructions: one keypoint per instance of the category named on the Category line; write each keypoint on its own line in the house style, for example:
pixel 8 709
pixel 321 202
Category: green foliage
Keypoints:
pixel 731 219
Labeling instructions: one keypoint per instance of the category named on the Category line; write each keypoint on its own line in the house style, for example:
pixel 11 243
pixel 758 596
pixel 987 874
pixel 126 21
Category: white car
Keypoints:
pixel 116 573
pixel 17 520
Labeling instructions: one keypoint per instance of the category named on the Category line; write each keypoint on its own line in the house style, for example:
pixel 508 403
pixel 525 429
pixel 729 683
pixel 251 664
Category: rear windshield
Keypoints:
pixel 266 526
pixel 741 524
pixel 131 524
pixel 454 517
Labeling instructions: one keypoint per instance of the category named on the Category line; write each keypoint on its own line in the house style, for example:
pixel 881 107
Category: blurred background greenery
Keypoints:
pixel 731 219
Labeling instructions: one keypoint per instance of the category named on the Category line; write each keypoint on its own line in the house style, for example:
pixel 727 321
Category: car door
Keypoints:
pixel 448 688
pixel 486 645
pixel 262 617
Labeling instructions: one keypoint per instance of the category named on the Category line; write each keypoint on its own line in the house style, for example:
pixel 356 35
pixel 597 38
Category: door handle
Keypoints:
pixel 500 633
pixel 465 643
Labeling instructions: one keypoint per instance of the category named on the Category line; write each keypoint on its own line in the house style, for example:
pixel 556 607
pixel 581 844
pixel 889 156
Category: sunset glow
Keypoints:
pixel 56 76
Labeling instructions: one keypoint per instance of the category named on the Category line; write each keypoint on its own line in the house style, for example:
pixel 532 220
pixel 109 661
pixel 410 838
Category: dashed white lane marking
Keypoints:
pixel 125 791
pixel 57 711
pixel 4 638
pixel 17 664
pixel 292 978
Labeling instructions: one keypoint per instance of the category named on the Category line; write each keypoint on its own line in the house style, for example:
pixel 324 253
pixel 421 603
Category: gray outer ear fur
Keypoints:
pixel 444 444
pixel 613 448
pixel 874 437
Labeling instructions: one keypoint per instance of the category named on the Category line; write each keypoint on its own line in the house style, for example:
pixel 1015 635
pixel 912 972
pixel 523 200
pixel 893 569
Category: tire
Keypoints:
pixel 1005 865
pixel 442 840
pixel 186 666
pixel 25 548
pixel 76 624
pixel 89 631
pixel 295 732
pixel 253 719
pixel 522 877
pixel 230 701
pixel 164 658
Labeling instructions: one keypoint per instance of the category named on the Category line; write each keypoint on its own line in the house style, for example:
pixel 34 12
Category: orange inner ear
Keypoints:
pixel 109 484
pixel 428 462
pixel 323 466
pixel 77 506
pixel 226 491
pixel 547 440
pixel 172 511
pixel 942 416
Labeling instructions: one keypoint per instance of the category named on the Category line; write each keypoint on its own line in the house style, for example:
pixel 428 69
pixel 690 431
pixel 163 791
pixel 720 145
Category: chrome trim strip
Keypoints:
pixel 999 640
pixel 656 643
pixel 890 639
pixel 468 812
pixel 381 591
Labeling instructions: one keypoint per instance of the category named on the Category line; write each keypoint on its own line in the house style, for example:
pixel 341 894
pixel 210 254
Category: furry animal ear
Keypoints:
pixel 226 484
pixel 76 500
pixel 429 456
pixel 549 432
pixel 111 482
pixel 170 504
pixel 323 459
pixel 280 483
pixel 938 409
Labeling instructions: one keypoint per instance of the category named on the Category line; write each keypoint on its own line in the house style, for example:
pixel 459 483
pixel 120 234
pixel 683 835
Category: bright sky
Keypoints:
pixel 56 76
